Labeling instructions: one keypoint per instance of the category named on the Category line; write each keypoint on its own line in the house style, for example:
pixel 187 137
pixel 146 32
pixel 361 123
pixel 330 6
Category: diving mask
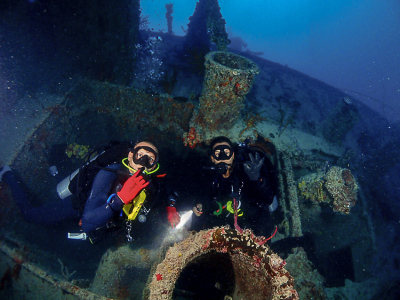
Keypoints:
pixel 143 159
pixel 222 152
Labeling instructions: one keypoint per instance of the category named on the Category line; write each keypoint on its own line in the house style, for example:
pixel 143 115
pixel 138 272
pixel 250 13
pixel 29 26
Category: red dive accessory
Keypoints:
pixel 173 216
pixel 132 187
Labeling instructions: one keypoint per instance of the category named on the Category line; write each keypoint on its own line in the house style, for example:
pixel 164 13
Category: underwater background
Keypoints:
pixel 315 84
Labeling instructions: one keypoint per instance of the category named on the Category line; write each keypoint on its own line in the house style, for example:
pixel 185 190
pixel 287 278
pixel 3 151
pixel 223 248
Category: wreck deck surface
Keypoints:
pixel 91 113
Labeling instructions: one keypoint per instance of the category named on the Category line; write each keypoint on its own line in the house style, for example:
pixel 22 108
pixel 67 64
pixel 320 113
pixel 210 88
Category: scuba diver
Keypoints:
pixel 245 177
pixel 102 190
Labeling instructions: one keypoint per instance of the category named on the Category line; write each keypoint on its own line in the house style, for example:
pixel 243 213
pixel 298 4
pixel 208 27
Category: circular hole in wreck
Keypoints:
pixel 210 276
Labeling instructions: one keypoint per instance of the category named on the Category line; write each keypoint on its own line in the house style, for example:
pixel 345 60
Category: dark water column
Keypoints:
pixel 96 37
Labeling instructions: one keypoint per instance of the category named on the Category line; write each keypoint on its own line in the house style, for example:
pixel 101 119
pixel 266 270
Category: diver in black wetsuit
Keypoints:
pixel 244 175
pixel 130 186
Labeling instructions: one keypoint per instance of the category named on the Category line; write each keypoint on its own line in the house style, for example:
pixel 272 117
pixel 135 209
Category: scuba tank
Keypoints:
pixel 63 188
pixel 80 181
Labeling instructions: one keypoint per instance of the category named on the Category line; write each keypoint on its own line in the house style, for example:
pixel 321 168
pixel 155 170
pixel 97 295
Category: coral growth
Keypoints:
pixel 337 187
pixel 229 77
pixel 309 283
pixel 79 151
pixel 191 138
pixel 311 187
pixel 343 188
pixel 259 273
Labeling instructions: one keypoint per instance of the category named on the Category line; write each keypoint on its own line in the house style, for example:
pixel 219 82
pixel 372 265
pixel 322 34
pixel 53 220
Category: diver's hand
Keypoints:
pixel 132 187
pixel 198 209
pixel 173 217
pixel 253 167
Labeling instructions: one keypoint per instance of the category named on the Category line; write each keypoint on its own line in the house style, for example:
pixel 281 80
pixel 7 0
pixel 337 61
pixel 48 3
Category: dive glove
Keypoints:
pixel 132 187
pixel 173 217
pixel 252 167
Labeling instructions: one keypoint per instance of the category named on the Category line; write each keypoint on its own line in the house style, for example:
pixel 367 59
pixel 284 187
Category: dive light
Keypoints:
pixel 184 219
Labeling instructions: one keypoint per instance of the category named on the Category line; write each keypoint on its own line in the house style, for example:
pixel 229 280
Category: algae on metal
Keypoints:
pixel 259 273
pixel 229 77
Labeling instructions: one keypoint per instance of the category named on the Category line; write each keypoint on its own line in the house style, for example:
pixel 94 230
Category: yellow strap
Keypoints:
pixel 131 210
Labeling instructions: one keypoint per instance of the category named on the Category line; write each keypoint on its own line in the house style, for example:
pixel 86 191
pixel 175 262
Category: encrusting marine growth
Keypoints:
pixel 259 273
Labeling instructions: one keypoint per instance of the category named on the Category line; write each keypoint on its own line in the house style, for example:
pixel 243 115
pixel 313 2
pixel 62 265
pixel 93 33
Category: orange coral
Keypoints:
pixel 192 138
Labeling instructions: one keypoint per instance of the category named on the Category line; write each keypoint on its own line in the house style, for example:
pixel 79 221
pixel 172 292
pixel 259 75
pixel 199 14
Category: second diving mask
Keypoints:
pixel 222 152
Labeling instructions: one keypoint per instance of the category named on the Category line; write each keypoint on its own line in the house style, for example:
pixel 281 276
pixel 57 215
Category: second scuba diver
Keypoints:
pixel 244 177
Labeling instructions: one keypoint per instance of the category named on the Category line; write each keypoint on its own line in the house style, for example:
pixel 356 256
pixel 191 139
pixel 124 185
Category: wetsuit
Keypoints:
pixel 96 212
pixel 255 196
